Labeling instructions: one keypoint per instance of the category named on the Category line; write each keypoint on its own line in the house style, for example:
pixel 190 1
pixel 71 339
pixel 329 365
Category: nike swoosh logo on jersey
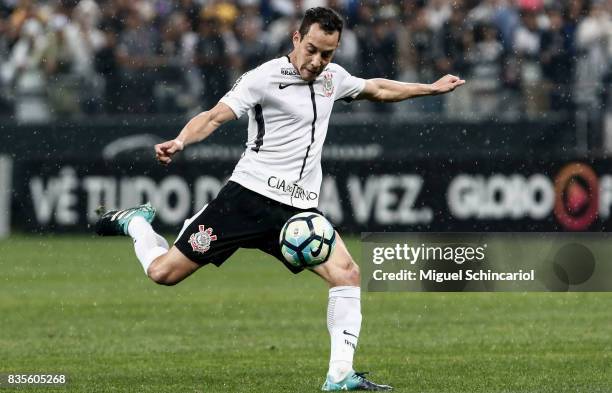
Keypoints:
pixel 281 86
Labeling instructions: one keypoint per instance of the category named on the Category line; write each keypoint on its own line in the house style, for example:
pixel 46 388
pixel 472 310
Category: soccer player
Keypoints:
pixel 289 102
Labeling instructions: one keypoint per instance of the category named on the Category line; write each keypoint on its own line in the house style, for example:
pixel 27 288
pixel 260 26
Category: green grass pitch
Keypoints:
pixel 82 306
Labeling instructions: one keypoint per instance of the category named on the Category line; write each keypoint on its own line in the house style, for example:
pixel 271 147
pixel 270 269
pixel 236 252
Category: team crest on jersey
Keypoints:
pixel 328 84
pixel 200 241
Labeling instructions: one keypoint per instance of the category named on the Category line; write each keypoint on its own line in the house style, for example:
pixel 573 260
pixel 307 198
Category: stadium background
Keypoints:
pixel 86 88
pixel 95 84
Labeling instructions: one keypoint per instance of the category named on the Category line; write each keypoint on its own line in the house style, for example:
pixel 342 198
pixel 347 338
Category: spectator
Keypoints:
pixel 252 40
pixel 437 13
pixel 279 35
pixel 5 105
pixel 483 12
pixel 348 49
pixel 485 70
pixel 142 46
pixel 137 55
pixel 65 66
pixel 556 60
pixel 212 60
pixel 379 50
pixel 347 53
pixel 506 19
pixel 594 42
pixel 87 16
pixel 24 10
pixel 422 37
pixel 107 65
pixel 178 83
pixel 527 46
pixel 418 58
pixel 450 49
pixel 192 11
pixel 23 72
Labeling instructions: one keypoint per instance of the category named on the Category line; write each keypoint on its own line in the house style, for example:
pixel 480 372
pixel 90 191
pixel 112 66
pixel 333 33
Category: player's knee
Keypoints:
pixel 161 274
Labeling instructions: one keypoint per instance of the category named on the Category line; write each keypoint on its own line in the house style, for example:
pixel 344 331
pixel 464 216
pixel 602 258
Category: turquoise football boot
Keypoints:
pixel 115 222
pixel 354 381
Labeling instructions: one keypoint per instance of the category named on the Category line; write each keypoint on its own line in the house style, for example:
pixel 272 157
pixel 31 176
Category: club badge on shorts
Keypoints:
pixel 328 84
pixel 200 241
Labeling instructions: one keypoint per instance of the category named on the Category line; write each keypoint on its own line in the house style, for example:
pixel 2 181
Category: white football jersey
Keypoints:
pixel 288 119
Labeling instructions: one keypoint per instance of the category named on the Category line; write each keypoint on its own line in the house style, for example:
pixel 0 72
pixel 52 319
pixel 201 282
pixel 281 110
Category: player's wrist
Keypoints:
pixel 432 89
pixel 179 143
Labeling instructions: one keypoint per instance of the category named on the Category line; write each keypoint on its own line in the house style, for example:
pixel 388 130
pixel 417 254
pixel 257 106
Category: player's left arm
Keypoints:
pixel 385 90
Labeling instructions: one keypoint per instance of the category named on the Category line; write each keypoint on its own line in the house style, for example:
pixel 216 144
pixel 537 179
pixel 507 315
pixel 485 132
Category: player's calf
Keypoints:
pixel 340 269
pixel 345 275
pixel 161 274
pixel 171 268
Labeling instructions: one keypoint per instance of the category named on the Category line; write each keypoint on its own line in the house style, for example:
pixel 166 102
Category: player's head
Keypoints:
pixel 316 41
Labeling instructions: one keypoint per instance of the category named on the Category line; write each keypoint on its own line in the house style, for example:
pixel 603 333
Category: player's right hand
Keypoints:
pixel 164 151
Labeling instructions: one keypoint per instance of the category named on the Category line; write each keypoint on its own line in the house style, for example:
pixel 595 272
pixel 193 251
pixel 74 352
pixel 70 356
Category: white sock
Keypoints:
pixel 147 243
pixel 344 325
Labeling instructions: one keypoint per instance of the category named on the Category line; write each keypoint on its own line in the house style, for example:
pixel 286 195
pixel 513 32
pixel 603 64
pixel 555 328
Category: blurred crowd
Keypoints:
pixel 67 58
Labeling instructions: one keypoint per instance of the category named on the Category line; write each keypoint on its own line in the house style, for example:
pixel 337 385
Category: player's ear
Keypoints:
pixel 297 37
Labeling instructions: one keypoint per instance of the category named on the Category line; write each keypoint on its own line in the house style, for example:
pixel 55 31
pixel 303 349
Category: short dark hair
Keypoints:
pixel 328 19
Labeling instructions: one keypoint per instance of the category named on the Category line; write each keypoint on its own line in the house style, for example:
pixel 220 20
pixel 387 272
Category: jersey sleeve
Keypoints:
pixel 248 91
pixel 350 86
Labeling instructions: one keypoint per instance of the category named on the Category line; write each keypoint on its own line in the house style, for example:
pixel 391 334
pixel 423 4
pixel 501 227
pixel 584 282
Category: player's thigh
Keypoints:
pixel 171 267
pixel 340 269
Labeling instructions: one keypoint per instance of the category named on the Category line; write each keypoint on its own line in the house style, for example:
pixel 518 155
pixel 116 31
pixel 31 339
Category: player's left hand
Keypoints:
pixel 446 84
pixel 164 151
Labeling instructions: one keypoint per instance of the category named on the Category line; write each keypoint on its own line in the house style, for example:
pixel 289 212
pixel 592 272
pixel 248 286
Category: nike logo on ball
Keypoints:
pixel 349 334
pixel 315 253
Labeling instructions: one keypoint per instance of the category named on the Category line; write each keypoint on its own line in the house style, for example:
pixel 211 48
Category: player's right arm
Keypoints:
pixel 197 129
pixel 248 91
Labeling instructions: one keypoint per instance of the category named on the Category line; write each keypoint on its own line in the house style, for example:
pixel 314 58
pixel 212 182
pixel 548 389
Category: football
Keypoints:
pixel 307 240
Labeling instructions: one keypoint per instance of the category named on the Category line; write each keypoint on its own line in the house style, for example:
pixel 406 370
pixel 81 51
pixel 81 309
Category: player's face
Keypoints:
pixel 314 51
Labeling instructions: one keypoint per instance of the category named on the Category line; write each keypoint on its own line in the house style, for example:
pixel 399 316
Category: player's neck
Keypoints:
pixel 293 60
